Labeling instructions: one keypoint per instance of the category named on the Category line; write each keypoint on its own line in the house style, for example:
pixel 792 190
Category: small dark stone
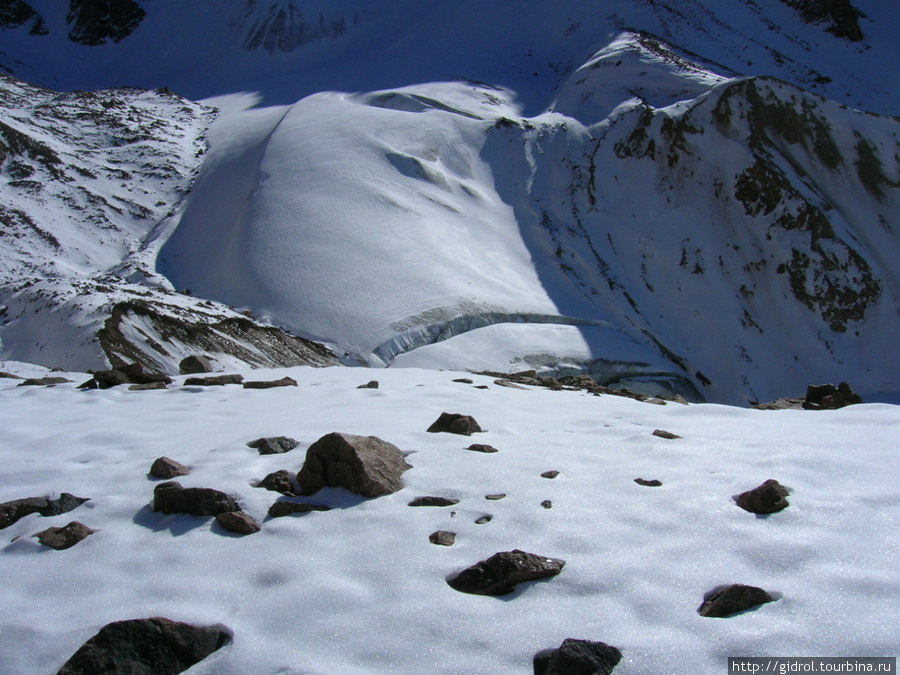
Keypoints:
pixel 484 519
pixel 481 386
pixel 662 433
pixel 732 599
pixel 454 423
pixel 766 498
pixel 495 497
pixel 550 474
pixel 11 512
pixel 168 468
pixel 172 498
pixel 648 483
pixel 433 501
pixel 499 574
pixel 442 538
pixel 481 447
pixel 61 538
pixel 578 657
pixel 463 380
pixel 547 504
pixel 213 380
pixel 372 384
pixel 144 646
pixel 43 381
pixel 281 509
pixel 194 365
pixel 271 384
pixel 277 481
pixel 237 522
pixel 364 465
pixel 273 445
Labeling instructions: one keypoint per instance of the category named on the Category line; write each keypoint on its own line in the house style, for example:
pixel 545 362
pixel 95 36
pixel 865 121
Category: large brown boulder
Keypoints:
pixel 364 465
pixel 454 423
pixel 144 646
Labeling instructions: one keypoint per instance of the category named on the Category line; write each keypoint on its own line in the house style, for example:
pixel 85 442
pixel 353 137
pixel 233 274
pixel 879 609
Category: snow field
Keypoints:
pixel 359 589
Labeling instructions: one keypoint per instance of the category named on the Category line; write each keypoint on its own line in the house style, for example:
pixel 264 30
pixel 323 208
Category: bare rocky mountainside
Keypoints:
pixel 696 197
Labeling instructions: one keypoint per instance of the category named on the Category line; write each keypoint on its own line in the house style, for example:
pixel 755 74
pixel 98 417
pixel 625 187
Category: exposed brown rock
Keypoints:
pixel 662 433
pixel 433 501
pixel 578 657
pixel 648 483
pixel 482 447
pixel 442 538
pixel 170 497
pixel 364 465
pixel 168 468
pixel 455 423
pixel 281 509
pixel 213 380
pixel 766 498
pixel 61 538
pixel 195 365
pixel 550 474
pixel 277 481
pixel 273 445
pixel 237 522
pixel 732 599
pixel 144 646
pixel 271 384
pixel 10 512
pixel 499 574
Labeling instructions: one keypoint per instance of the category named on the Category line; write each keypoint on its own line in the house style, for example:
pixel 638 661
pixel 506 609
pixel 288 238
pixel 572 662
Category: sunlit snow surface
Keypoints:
pixel 360 590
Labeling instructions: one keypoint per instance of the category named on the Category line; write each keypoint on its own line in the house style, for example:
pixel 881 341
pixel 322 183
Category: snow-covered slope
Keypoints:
pixel 360 590
pixel 637 209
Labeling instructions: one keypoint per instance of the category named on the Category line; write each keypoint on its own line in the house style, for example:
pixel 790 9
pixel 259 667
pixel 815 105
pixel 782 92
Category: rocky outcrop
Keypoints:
pixel 729 600
pixel 364 465
pixel 171 497
pixel 61 538
pixel 578 657
pixel 770 497
pixel 499 574
pixel 42 381
pixel 160 646
pixel 14 13
pixel 171 330
pixel 829 397
pixel 95 22
pixel 11 512
pixel 842 16
pixel 454 423
pixel 668 435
